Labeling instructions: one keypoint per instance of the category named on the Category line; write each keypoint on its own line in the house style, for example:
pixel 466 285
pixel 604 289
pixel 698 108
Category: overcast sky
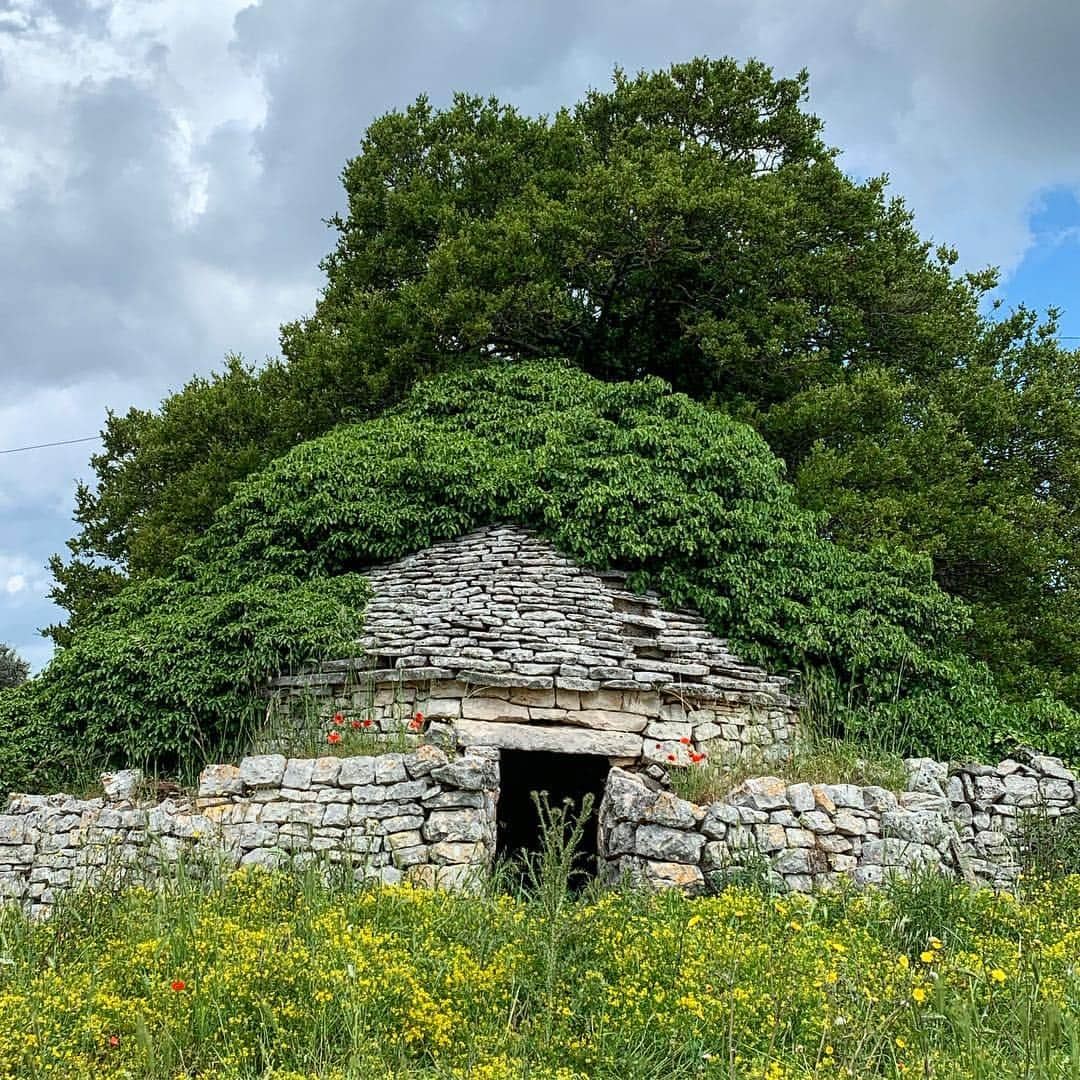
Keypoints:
pixel 165 167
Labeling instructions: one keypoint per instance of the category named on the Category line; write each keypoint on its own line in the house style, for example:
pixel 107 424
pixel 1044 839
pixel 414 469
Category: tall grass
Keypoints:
pixel 303 973
pixel 816 758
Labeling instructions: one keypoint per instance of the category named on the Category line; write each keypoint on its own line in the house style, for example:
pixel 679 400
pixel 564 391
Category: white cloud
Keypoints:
pixel 20 577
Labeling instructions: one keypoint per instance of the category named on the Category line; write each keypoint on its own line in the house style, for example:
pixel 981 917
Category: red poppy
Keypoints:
pixel 355 725
pixel 178 985
pixel 671 757
pixel 114 1040
pixel 657 746
pixel 367 721
pixel 339 719
pixel 695 758
pixel 685 741
pixel 333 737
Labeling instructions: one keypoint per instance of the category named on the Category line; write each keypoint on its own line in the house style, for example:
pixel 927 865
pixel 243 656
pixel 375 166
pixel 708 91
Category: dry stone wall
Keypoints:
pixel 810 836
pixel 429 817
pixel 646 726
pixel 987 801
pixel 419 816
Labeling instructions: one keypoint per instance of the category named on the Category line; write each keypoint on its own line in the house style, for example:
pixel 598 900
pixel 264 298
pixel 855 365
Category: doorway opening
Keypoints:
pixel 563 777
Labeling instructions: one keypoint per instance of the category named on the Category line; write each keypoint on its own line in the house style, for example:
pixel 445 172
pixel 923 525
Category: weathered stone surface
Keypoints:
pixel 298 773
pixel 793 861
pixel 719 817
pixel 674 875
pixel 356 772
pixel 325 771
pixel 390 769
pixel 1021 790
pixel 668 809
pixel 626 798
pixel 468 774
pixel 920 826
pixel 263 771
pixel 12 829
pixel 216 780
pixel 604 720
pixel 771 837
pixel 423 760
pixel 453 800
pixel 400 792
pixel 926 774
pixel 449 851
pixel 800 797
pixel 448 708
pixel 407 838
pixel 453 878
pixel 523 737
pixel 669 753
pixel 760 793
pixel 455 825
pixel 668 845
pixel 849 824
pixel 1051 766
pixel 1053 789
pixel 669 732
pixel 123 785
pixel 492 709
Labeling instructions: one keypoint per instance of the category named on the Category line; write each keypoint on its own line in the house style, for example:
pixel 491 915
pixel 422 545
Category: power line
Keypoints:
pixel 42 446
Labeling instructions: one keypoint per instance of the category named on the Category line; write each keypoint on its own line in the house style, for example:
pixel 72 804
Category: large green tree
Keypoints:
pixel 691 224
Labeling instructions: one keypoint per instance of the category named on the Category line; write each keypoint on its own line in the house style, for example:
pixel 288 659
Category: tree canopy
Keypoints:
pixel 690 224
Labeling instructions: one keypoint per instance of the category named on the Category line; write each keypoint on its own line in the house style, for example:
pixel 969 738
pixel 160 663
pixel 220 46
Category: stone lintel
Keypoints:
pixel 509 736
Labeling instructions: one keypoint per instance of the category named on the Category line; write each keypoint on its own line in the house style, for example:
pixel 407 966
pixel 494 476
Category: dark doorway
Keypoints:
pixel 562 776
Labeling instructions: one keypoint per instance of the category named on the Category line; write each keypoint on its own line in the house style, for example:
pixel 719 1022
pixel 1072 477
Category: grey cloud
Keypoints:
pixel 85 274
pixel 108 286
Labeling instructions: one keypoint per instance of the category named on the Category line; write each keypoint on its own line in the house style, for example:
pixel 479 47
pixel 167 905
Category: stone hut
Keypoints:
pixel 494 667
pixel 501 642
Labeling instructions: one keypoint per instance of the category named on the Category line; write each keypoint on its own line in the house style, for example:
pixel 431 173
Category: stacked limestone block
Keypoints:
pixel 503 641
pixel 417 816
pixel 809 835
pixel 988 802
pixel 51 843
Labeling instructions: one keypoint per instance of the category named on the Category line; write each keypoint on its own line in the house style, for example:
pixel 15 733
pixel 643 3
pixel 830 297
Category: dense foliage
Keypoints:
pixel 690 224
pixel 615 474
pixel 281 976
pixel 168 675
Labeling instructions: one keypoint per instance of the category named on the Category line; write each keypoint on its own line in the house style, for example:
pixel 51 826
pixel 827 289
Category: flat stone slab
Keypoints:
pixel 509 736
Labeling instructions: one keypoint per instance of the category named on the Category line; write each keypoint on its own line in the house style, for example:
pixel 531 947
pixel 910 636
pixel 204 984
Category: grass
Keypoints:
pixel 297 974
pixel 817 759
pixel 1048 847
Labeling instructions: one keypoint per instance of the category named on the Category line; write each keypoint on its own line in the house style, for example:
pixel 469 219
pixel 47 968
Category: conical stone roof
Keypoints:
pixel 502 607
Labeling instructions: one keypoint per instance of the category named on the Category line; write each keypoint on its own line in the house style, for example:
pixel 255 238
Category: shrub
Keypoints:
pixel 169 675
